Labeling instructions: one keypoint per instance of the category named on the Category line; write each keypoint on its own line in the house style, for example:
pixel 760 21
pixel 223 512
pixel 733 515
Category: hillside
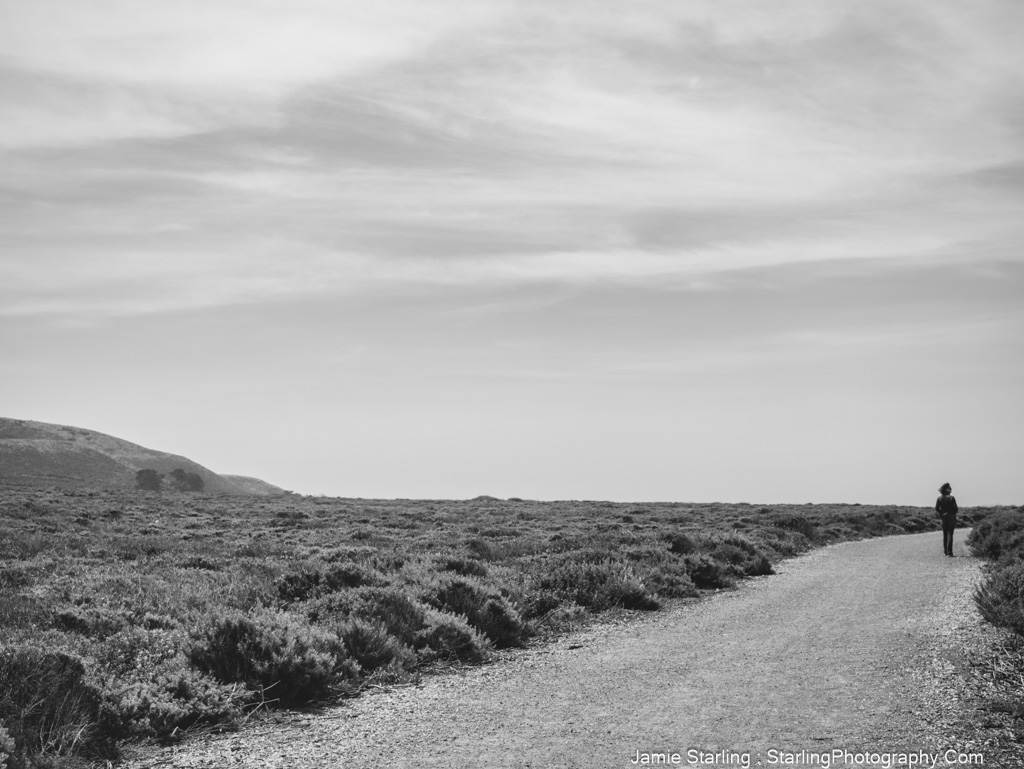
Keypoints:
pixel 254 486
pixel 41 454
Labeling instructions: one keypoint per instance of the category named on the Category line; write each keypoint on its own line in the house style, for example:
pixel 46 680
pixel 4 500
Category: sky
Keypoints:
pixel 673 250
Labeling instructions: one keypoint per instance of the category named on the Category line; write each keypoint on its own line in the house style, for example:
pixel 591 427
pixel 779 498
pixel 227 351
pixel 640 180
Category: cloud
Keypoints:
pixel 109 69
pixel 223 152
pixel 254 45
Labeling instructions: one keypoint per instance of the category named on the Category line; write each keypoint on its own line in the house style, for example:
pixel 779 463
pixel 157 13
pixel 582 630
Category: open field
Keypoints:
pixel 127 615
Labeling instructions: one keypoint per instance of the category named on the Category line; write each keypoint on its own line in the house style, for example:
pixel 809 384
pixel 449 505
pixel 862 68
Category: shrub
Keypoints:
pixel 797 523
pixel 299 585
pixel 19 610
pixel 465 567
pixel 671 580
pixel 152 621
pixel 89 621
pixel 449 638
pixel 482 549
pixel 398 620
pixel 680 543
pixel 148 684
pixel 346 575
pixel 136 650
pixel 728 553
pixel 309 583
pixel 743 555
pixel 913 523
pixel 784 542
pixel 487 611
pixel 706 572
pixel 14 578
pixel 997 535
pixel 276 654
pixel 398 612
pixel 599 586
pixel 540 603
pixel 50 707
pixel 369 643
pixel 505 549
pixel 758 566
pixel 1000 599
pixel 173 699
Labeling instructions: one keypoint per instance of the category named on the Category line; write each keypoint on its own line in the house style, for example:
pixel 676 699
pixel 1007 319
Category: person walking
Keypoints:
pixel 945 506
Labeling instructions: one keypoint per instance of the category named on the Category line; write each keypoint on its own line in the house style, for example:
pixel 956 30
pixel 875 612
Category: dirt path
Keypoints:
pixel 847 647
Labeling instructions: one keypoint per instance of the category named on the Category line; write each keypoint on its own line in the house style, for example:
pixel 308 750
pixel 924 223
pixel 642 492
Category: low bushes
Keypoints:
pixel 1000 598
pixel 681 543
pixel 800 524
pixel 708 572
pixel 172 698
pixel 135 650
pixel 370 644
pixel 591 578
pixel 140 685
pixel 92 622
pixel 309 583
pixel 670 579
pixel 379 625
pixel 541 603
pixel 999 535
pixel 745 558
pixel 486 610
pixel 598 586
pixel 276 654
pixel 449 638
pixel 397 611
pixel 149 683
pixel 48 705
pixel 467 567
pixel 713 561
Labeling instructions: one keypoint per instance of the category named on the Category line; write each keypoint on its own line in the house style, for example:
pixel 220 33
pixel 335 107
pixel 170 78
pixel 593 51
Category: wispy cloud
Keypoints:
pixel 218 152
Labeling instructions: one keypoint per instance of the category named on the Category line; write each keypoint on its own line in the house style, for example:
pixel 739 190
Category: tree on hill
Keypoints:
pixel 186 481
pixel 149 480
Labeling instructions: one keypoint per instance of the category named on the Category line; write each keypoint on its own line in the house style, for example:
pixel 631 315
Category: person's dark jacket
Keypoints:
pixel 946 506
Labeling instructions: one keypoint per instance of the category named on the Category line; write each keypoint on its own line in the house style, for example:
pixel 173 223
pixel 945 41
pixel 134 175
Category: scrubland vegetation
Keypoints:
pixel 1000 599
pixel 129 615
pixel 999 538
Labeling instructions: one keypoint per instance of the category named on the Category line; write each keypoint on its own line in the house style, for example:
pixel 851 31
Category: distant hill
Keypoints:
pixel 41 454
pixel 253 486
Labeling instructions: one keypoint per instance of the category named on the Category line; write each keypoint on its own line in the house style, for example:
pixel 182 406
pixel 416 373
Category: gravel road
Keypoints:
pixel 855 646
